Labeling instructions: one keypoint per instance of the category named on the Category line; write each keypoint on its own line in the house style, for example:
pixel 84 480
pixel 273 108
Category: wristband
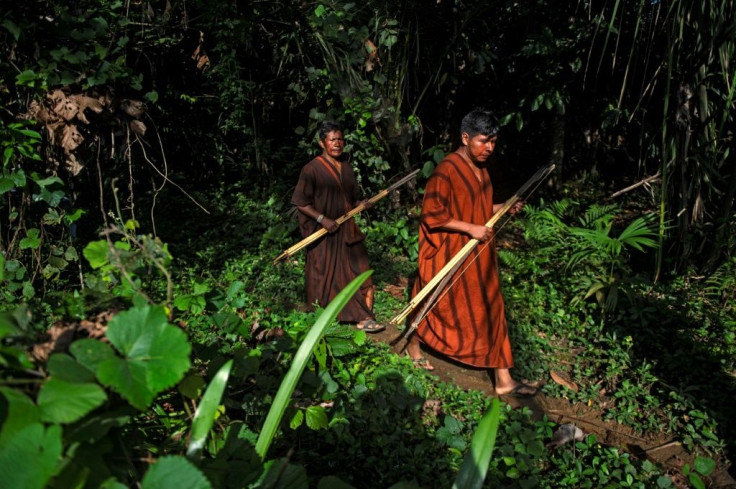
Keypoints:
pixel 319 219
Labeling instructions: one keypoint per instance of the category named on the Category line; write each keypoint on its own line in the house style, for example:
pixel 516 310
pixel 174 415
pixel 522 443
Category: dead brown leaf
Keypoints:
pixel 73 166
pixel 134 108
pixel 371 56
pixel 396 291
pixel 137 127
pixel 71 138
pixel 559 379
pixel 65 107
pixel 83 103
pixel 60 337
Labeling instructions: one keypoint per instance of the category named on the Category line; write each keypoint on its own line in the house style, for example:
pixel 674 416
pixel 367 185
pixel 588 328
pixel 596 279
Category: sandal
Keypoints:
pixel 422 362
pixel 370 326
pixel 522 391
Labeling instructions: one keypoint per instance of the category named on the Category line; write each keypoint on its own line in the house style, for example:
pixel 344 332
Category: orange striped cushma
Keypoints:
pixel 468 323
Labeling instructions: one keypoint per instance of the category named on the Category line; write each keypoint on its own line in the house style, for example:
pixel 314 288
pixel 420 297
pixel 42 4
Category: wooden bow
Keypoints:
pixel 322 231
pixel 439 282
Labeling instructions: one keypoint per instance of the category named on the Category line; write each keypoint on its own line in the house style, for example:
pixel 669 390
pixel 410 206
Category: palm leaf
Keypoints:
pixel 639 234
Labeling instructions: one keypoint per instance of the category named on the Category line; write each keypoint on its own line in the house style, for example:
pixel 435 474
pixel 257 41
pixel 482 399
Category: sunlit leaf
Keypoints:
pixel 297 420
pixel 96 253
pixel 91 353
pixel 32 240
pixel 704 465
pixel 205 414
pixel 317 417
pixel 156 355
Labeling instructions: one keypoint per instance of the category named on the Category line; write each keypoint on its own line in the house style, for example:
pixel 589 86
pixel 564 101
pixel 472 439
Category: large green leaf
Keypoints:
pixel 128 378
pixel 205 414
pixel 639 234
pixel 176 473
pixel 30 457
pixel 317 417
pixel 63 367
pixel 286 389
pixel 91 353
pixel 156 355
pixel 16 412
pixel 96 253
pixel 65 402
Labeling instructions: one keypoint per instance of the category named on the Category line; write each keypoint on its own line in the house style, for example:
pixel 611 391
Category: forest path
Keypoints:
pixel 660 448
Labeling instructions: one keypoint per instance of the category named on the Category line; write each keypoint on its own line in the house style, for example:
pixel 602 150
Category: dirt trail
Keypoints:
pixel 660 447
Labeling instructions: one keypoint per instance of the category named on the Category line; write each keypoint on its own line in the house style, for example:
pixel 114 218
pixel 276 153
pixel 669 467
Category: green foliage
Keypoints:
pixel 621 364
pixel 598 260
pixel 33 442
pixel 124 267
pixel 155 355
pixel 396 237
pixel 475 465
pixel 70 400
pixel 35 245
pixel 232 94
pixel 273 419
pixel 82 46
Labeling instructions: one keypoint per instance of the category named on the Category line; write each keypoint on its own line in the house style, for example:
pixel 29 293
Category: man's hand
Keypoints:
pixel 516 207
pixel 330 225
pixel 479 232
pixel 366 202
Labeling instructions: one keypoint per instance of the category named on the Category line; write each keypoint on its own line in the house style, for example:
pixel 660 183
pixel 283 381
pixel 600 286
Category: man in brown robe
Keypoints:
pixel 326 190
pixel 468 323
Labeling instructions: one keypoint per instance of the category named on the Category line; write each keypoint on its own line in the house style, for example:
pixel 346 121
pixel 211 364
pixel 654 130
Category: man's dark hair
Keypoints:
pixel 327 127
pixel 480 121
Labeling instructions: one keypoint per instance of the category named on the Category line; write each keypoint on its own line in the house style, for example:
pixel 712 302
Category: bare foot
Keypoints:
pixel 422 362
pixel 369 325
pixel 415 353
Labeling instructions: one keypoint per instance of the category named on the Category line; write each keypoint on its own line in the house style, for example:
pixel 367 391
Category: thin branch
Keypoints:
pixel 647 180
pixel 164 175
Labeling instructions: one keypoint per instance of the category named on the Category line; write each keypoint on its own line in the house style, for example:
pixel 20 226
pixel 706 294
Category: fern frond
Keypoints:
pixel 599 215
pixel 510 259
pixel 560 208
pixel 543 226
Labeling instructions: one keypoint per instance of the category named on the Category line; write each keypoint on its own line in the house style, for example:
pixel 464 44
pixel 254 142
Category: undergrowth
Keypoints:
pixel 656 358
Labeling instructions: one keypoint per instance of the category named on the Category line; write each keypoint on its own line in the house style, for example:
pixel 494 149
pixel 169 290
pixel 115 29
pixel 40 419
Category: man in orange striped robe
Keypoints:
pixel 468 323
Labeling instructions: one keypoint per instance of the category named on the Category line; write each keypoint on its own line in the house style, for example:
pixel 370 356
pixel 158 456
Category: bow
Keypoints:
pixel 322 231
pixel 439 282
